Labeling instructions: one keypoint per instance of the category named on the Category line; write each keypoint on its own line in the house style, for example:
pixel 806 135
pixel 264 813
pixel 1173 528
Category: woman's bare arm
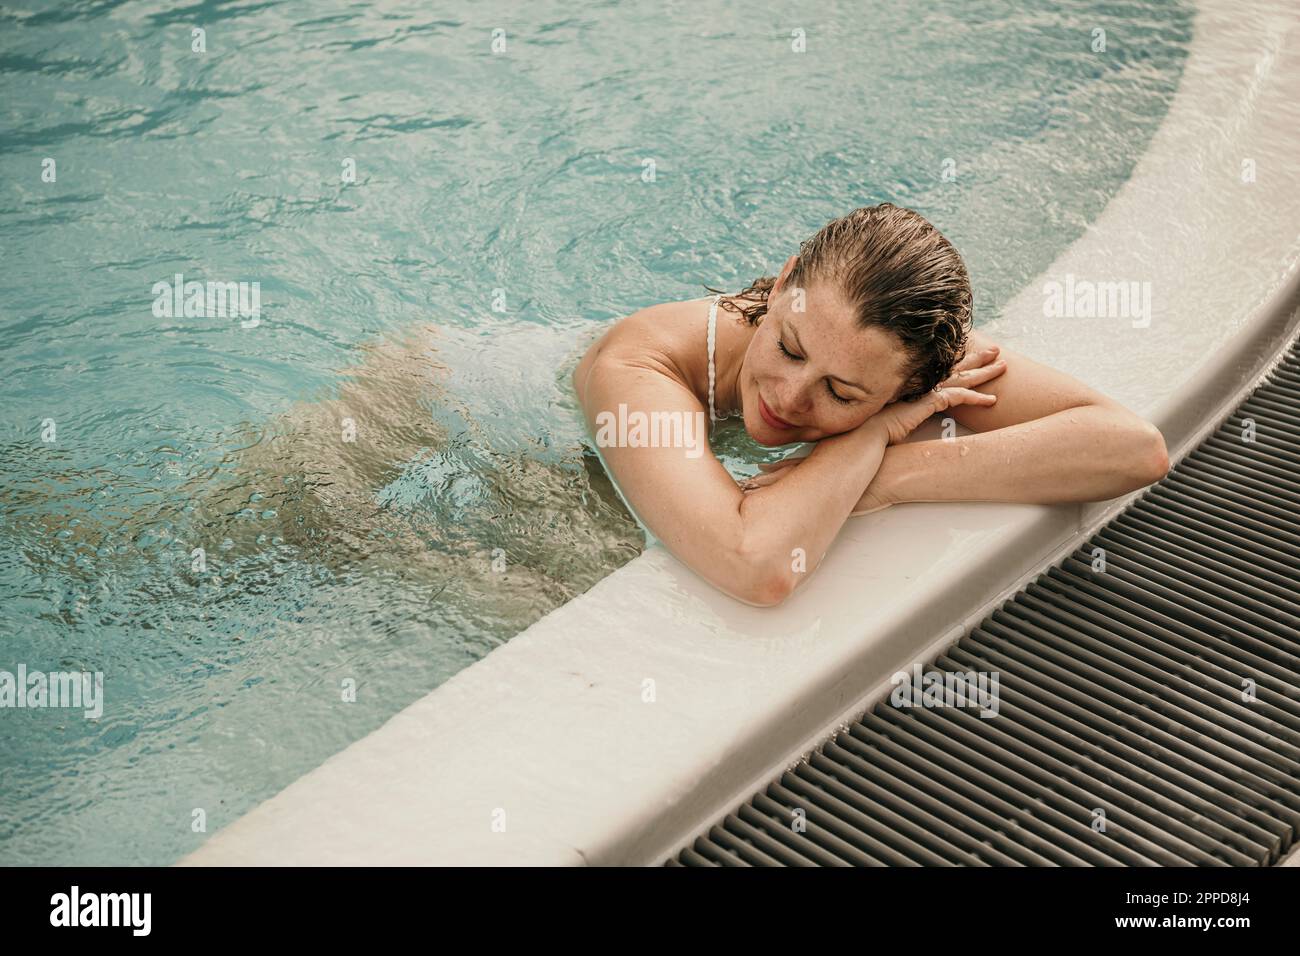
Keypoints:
pixel 745 545
pixel 1088 453
pixel 1049 439
pixel 755 545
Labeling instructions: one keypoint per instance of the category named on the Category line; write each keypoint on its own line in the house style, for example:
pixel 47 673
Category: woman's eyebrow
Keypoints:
pixel 860 388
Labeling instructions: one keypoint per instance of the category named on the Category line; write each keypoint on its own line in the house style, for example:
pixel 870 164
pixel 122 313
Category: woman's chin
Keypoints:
pixel 767 436
pixel 772 438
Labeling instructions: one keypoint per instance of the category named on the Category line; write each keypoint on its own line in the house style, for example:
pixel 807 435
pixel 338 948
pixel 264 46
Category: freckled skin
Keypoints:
pixel 816 325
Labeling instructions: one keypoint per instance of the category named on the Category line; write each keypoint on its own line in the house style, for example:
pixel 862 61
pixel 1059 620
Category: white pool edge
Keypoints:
pixel 552 734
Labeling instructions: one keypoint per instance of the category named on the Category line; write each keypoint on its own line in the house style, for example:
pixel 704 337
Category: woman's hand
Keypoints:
pixel 899 419
pixel 772 473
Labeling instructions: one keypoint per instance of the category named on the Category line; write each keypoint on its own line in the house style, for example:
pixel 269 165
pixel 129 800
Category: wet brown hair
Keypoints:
pixel 899 273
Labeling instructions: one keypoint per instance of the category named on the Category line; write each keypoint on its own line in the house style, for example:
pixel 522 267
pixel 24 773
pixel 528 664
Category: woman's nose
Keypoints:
pixel 796 398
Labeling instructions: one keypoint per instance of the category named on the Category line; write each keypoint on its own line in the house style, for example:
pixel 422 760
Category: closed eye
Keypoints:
pixel 798 358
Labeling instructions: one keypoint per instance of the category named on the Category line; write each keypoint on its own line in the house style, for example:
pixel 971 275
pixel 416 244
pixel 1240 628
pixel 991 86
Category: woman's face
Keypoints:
pixel 835 377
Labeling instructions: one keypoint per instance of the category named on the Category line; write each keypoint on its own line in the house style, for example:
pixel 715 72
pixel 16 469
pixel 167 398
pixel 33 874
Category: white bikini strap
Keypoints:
pixel 713 321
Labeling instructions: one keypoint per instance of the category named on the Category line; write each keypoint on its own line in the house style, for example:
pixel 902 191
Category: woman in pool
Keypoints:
pixel 861 338
pixel 864 335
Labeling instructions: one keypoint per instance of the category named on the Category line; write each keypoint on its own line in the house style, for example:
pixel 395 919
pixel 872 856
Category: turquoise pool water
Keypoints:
pixel 499 202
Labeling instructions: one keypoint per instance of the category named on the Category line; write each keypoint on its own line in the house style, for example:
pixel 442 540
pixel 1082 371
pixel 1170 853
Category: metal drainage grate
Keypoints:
pixel 1148 708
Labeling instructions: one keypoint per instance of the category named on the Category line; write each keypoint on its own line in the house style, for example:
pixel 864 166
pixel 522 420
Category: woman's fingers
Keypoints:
pixel 956 395
pixel 977 375
pixel 901 418
pixel 976 359
pixel 770 473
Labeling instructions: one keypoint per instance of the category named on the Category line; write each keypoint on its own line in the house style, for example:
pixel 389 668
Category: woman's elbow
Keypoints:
pixel 749 575
pixel 1144 461
pixel 771 592
pixel 1157 458
pixel 764 586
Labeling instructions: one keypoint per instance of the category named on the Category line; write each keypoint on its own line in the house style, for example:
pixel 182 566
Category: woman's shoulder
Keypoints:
pixel 667 334
pixel 667 323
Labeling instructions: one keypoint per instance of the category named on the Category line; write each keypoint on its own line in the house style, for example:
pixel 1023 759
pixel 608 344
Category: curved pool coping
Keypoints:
pixel 621 724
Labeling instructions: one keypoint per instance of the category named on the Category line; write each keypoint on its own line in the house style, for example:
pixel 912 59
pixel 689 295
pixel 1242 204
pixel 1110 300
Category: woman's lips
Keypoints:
pixel 769 417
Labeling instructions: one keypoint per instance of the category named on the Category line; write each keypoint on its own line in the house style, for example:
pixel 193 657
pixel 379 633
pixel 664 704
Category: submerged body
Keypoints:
pixel 396 473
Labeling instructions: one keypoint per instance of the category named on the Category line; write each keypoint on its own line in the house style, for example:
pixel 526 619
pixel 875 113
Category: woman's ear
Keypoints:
pixel 779 284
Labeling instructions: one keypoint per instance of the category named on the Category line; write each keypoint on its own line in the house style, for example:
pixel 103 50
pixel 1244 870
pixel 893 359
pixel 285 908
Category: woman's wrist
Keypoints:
pixel 870 435
pixel 895 474
pixel 885 489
